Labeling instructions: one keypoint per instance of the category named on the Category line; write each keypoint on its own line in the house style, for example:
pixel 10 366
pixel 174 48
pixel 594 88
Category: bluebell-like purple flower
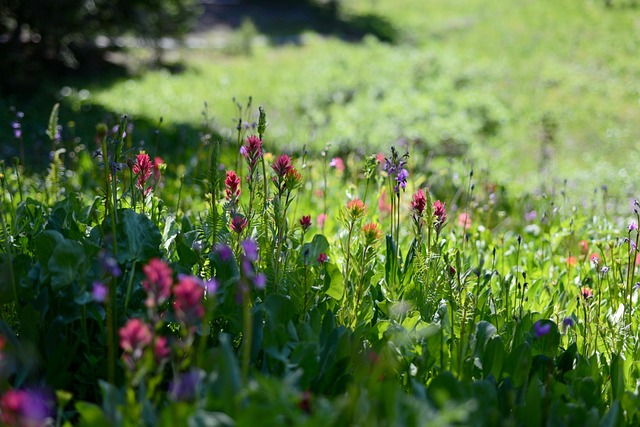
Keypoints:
pixel 99 292
pixel 185 387
pixel 541 328
pixel 567 323
pixel 109 264
pixel 260 281
pixel 224 252
pixel 211 286
pixel 395 169
pixel 250 249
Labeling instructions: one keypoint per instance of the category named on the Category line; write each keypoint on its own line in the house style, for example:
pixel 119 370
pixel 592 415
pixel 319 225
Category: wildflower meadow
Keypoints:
pixel 319 213
pixel 290 288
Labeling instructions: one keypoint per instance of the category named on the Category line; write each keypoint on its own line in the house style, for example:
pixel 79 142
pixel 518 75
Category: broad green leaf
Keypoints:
pixel 68 262
pixel 91 415
pixel 138 238
pixel 335 288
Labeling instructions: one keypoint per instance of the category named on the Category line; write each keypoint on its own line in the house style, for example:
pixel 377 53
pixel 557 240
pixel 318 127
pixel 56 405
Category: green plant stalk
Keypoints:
pixel 360 284
pixel 111 301
pixel 598 302
pixel 7 244
pixel 346 269
pixel 208 317
pixel 247 333
pixel 129 286
pixel 463 323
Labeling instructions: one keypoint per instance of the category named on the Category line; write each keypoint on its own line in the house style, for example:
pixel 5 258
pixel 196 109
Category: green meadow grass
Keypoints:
pixel 465 77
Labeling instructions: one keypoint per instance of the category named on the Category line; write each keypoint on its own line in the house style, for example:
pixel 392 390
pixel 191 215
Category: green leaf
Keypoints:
pixel 334 282
pixel 138 237
pixel 67 263
pixel 614 416
pixel 519 364
pixel 318 245
pixel 91 415
pixel 52 129
pixel 204 418
pixel 617 377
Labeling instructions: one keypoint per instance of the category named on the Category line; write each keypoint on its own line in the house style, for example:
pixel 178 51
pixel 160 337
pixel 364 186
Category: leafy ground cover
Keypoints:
pixel 252 286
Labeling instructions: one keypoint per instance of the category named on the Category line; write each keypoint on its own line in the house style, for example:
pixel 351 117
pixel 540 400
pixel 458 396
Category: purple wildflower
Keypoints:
pixel 633 226
pixel 250 249
pixel 185 387
pixel 99 292
pixel 541 328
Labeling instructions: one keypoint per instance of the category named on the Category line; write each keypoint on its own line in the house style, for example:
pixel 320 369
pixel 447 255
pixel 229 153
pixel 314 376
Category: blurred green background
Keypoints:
pixel 537 92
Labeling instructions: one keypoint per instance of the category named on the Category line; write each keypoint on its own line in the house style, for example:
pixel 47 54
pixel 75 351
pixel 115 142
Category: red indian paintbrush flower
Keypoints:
pixel 232 186
pixel 372 233
pixel 418 203
pixel 135 336
pixel 239 223
pixel 158 282
pixel 188 300
pixel 143 168
pixel 305 222
pixel 252 151
pixel 282 165
pixel 356 209
pixel 440 214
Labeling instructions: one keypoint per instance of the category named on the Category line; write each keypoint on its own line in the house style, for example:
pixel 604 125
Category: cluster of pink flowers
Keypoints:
pixel 136 336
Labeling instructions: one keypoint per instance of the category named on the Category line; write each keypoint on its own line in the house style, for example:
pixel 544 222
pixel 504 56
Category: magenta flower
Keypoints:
pixel 158 282
pixel 232 186
pixel 143 168
pixel 188 300
pixel 322 258
pixel 135 336
pixel 418 203
pixel 440 214
pixel 305 222
pixel 161 350
pixel 252 151
pixel 282 165
pixel 239 223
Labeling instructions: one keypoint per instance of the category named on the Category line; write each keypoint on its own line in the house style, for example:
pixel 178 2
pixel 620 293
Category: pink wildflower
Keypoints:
pixel 322 258
pixel 143 168
pixel 418 203
pixel 158 282
pixel 135 336
pixel 232 186
pixel 188 300
pixel 282 165
pixel 321 219
pixel 239 223
pixel 252 151
pixel 440 214
pixel 337 163
pixel 305 222
pixel 383 203
pixel 464 220
pixel 157 174
pixel 161 350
